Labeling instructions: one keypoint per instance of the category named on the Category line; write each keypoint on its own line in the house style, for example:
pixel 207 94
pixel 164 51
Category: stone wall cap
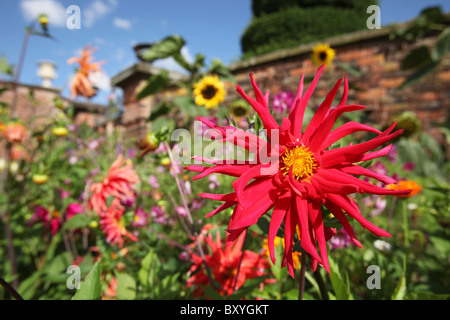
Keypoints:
pixel 30 86
pixel 145 69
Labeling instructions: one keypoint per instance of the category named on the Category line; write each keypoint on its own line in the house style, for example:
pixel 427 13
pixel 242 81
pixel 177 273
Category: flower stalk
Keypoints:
pixel 301 287
pixel 190 220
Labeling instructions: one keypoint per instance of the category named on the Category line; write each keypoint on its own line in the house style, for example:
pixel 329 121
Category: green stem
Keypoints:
pixel 321 284
pixel 190 219
pixel 301 287
pixel 405 223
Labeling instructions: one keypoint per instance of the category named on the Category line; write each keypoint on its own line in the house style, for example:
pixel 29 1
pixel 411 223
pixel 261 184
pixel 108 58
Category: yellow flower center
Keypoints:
pixel 56 214
pixel 302 162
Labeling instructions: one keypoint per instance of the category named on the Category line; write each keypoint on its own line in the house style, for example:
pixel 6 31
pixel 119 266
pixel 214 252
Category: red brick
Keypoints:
pixel 390 83
pixel 444 76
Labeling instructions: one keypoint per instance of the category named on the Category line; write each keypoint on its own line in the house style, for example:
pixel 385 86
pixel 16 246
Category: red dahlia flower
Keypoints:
pixel 303 174
pixel 113 225
pixel 119 183
pixel 224 264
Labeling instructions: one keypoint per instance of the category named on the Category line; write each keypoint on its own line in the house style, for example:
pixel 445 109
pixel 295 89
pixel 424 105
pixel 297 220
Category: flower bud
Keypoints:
pixel 165 161
pixel 148 143
pixel 39 178
pixel 43 20
pixel 60 131
pixel 93 224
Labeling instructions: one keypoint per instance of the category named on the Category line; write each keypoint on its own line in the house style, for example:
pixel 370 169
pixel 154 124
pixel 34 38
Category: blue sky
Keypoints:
pixel 210 27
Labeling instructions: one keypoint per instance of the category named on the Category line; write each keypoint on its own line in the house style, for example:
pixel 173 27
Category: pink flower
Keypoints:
pixel 283 101
pixel 181 211
pixel 73 209
pixel 153 181
pixel 409 166
pixel 341 240
pixel 140 218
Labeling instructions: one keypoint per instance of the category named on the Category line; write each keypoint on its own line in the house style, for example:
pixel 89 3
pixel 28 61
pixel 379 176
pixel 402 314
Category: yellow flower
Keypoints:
pixel 295 254
pixel 43 19
pixel 209 92
pixel 39 178
pixel 60 131
pixel 323 54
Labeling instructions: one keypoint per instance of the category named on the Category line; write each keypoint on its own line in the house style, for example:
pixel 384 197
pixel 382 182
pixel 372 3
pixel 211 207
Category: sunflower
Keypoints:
pixel 238 108
pixel 323 54
pixel 209 92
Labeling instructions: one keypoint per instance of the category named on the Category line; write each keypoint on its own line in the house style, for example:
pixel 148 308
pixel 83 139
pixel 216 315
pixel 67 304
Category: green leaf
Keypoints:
pixel 427 296
pixel 350 69
pixel 160 109
pixel 167 47
pixel 126 287
pixel 416 58
pixel 149 267
pixel 400 290
pixel 188 107
pixel 198 64
pixel 332 223
pixel 90 287
pixel 419 74
pixel 217 67
pixel 341 287
pixel 432 14
pixel 77 221
pixel 442 46
pixel 156 83
pixel 27 287
pixel 279 272
pixel 5 67
pixel 163 125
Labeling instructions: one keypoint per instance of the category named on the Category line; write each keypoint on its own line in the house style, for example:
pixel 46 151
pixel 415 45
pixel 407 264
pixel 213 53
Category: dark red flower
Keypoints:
pixel 225 263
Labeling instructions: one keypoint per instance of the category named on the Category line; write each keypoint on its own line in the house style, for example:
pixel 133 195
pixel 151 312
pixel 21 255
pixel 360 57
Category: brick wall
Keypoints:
pixel 38 102
pixel 378 59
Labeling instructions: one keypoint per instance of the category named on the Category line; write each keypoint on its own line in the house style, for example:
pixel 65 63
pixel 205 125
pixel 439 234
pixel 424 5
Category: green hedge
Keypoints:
pixel 262 7
pixel 295 26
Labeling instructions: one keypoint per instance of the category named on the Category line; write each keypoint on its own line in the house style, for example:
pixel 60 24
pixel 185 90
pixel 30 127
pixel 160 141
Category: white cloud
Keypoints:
pixel 101 80
pixel 100 41
pixel 97 10
pixel 122 23
pixel 55 11
pixel 187 55
pixel 120 54
pixel 171 64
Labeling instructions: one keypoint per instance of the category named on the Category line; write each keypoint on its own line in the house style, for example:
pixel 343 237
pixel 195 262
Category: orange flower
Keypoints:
pixel 18 152
pixel 119 183
pixel 405 185
pixel 81 84
pixel 14 132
